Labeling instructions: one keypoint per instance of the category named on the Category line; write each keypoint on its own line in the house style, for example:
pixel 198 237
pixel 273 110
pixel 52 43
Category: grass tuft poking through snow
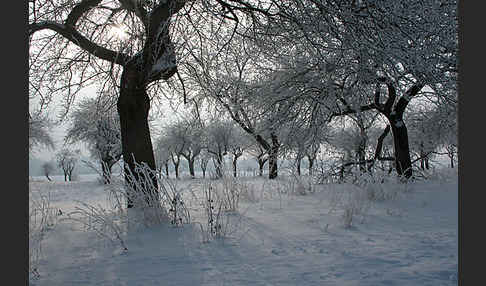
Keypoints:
pixel 371 230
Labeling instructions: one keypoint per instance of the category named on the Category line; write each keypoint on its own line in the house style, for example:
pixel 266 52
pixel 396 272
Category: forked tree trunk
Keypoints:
pixel 394 114
pixel 133 107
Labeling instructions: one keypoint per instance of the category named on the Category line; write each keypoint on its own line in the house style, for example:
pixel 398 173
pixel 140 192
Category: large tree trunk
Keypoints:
pixel 403 162
pixel 133 107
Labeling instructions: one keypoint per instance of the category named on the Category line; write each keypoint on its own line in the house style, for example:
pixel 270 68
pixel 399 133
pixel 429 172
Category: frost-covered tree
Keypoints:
pixel 39 126
pixel 218 136
pixel 189 135
pixel 66 159
pixel 169 146
pixel 130 46
pixel 348 51
pixel 433 128
pixel 95 122
pixel 162 156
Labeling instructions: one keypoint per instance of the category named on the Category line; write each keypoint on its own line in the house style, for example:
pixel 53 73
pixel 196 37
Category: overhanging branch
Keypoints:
pixel 81 41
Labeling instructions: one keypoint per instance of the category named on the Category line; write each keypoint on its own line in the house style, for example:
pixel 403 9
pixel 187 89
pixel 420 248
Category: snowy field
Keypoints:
pixel 283 232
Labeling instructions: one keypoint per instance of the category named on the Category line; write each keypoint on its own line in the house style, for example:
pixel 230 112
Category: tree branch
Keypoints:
pixel 79 10
pixel 81 41
pixel 405 99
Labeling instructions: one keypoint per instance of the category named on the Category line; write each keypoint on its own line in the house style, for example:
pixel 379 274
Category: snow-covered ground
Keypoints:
pixel 277 237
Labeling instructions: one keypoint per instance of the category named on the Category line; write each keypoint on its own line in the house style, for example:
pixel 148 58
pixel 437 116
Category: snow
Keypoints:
pixel 277 238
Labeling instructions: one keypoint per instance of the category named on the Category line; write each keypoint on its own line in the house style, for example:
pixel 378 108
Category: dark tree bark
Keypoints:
pixel 190 163
pixel 176 161
pixel 394 113
pixel 237 153
pixel 297 163
pixel 133 107
pixel 138 71
pixel 272 158
pixel 166 169
pixel 403 162
pixel 451 149
pixel 235 160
